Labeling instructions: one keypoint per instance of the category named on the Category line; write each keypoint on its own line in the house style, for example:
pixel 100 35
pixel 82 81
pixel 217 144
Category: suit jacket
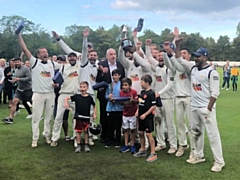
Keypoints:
pixel 107 77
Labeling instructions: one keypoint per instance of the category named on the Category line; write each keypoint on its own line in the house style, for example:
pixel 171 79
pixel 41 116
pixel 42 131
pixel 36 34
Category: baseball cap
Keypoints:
pixel 61 58
pixel 201 52
pixel 17 59
pixel 72 54
pixel 89 44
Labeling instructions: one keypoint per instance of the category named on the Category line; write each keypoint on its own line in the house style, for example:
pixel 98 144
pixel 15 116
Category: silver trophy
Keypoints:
pixel 125 41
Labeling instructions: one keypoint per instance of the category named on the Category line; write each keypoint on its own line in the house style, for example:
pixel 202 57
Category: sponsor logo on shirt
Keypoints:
pixel 134 77
pixel 215 78
pixel 158 78
pixel 182 76
pixel 197 87
pixel 73 74
pixel 45 74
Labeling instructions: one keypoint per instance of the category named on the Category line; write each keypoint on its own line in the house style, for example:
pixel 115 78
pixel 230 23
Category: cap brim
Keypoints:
pixel 196 54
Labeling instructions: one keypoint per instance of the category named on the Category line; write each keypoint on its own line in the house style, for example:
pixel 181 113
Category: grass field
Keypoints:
pixel 18 161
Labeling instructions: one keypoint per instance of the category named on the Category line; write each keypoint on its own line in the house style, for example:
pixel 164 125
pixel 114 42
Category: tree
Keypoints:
pixel 223 45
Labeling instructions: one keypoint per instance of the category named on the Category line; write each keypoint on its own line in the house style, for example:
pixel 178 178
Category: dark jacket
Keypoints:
pixel 107 77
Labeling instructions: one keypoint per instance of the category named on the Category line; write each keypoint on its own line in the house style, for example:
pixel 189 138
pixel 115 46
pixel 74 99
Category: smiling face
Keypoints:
pixel 42 54
pixel 200 61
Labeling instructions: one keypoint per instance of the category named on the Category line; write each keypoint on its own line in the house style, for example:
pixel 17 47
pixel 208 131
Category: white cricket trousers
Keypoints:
pixel 201 117
pixel 42 102
pixel 165 113
pixel 182 105
pixel 57 126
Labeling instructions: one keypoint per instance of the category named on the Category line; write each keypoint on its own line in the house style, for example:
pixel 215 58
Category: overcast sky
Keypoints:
pixel 210 18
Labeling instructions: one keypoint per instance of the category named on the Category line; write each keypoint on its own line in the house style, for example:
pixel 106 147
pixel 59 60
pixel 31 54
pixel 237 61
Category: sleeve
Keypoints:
pixel 107 92
pixel 179 67
pixel 56 65
pixel 142 62
pixel 32 61
pixel 186 64
pixel 84 59
pixel 214 84
pixel 122 59
pixel 149 56
pixel 92 101
pixel 170 83
pixel 73 98
pixel 66 48
pixel 168 63
pixel 27 74
pixel 153 99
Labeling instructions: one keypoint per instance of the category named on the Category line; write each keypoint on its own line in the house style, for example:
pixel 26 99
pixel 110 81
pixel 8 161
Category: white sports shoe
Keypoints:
pixel 196 160
pixel 21 106
pixel 191 155
pixel 29 116
pixel 34 144
pixel 159 148
pixel 172 151
pixel 53 144
pixel 16 113
pixel 217 167
pixel 181 150
pixel 47 140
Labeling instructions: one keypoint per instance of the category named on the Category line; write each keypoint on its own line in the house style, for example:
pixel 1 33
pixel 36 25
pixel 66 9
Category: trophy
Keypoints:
pixel 125 41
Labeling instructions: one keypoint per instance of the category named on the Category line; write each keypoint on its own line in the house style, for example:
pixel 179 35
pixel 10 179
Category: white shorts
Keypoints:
pixel 129 122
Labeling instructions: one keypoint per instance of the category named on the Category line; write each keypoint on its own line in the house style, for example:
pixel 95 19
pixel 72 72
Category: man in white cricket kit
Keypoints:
pixel 70 74
pixel 182 97
pixel 204 91
pixel 164 82
pixel 88 72
pixel 43 90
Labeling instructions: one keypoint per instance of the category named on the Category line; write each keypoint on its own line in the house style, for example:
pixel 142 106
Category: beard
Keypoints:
pixel 92 60
pixel 136 63
pixel 72 62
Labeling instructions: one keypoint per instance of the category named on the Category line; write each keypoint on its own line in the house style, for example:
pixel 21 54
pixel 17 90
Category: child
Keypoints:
pixel 83 104
pixel 147 104
pixel 129 114
pixel 114 111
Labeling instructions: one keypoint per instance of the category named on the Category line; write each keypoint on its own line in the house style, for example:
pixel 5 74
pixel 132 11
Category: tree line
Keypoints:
pixel 102 39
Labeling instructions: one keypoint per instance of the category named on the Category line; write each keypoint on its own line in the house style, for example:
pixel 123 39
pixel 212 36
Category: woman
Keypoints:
pixel 234 77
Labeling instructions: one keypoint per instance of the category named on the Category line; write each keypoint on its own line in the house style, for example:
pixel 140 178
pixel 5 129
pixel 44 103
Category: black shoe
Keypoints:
pixel 108 145
pixel 8 121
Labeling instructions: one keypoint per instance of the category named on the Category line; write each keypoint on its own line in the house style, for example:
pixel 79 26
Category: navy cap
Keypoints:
pixel 72 54
pixel 201 52
pixel 172 46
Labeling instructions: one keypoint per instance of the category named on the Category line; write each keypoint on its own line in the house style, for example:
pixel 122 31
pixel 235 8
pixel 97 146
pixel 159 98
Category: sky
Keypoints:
pixel 210 18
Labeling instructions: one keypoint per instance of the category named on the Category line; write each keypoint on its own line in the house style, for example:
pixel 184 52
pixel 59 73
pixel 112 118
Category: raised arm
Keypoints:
pixel 135 40
pixel 122 59
pixel 84 59
pixel 63 45
pixel 25 49
pixel 149 54
pixel 168 62
pixel 140 60
pixel 186 64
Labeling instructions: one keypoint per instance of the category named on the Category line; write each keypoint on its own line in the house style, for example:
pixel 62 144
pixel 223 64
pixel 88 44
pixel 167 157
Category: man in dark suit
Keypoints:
pixel 104 74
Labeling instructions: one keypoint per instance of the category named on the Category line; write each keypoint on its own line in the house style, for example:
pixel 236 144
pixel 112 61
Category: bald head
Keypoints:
pixel 111 55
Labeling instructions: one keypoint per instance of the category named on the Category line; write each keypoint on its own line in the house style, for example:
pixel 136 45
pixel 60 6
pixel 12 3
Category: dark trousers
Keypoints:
pixel 24 102
pixel 226 80
pixel 114 121
pixel 103 118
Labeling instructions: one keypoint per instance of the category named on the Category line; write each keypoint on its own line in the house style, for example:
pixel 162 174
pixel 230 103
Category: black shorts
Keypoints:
pixel 24 95
pixel 146 125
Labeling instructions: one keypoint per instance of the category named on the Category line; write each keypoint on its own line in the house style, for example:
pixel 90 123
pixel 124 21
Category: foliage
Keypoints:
pixel 36 36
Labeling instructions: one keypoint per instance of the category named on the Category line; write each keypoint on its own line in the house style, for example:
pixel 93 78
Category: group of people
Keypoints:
pixel 135 82
pixel 230 73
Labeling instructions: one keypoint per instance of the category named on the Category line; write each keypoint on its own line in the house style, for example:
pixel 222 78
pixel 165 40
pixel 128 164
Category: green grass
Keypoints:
pixel 18 161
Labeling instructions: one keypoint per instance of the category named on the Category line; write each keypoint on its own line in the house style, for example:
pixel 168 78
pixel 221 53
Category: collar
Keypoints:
pixel 160 65
pixel 109 64
pixel 205 67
